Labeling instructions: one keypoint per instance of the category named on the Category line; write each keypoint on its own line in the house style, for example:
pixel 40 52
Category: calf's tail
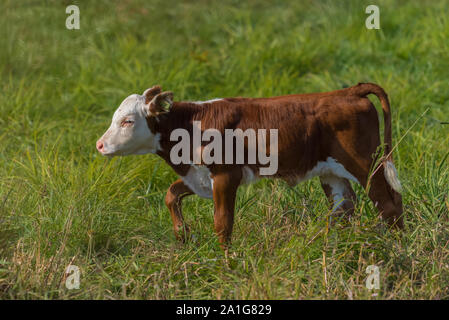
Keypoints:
pixel 362 90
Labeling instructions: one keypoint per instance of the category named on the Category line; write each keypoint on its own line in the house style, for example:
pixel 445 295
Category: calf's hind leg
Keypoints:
pixel 384 198
pixel 340 194
pixel 388 201
pixel 177 191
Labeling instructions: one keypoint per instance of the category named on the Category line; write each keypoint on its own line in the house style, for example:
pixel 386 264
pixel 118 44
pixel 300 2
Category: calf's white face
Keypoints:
pixel 129 132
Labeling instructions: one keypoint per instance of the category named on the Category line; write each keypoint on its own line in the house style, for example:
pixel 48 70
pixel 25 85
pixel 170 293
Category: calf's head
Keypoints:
pixel 129 132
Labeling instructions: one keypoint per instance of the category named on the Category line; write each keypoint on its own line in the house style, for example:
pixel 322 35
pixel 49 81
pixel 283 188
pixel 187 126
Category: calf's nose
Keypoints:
pixel 100 146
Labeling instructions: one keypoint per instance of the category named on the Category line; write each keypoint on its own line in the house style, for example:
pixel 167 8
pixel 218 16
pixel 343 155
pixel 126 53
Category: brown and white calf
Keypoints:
pixel 333 135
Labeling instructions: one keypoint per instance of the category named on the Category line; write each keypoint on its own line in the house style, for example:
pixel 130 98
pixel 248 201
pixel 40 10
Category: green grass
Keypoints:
pixel 61 202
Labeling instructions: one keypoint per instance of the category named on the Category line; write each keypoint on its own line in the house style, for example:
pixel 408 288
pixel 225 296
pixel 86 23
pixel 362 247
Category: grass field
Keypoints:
pixel 62 203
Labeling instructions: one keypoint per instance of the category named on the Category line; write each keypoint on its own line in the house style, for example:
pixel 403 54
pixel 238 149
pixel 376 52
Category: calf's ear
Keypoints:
pixel 150 93
pixel 161 103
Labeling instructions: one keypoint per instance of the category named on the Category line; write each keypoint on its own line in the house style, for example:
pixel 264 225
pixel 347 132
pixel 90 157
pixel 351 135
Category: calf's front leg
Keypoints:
pixel 177 191
pixel 224 193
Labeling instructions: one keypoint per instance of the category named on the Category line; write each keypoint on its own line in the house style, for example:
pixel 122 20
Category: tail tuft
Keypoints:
pixel 391 175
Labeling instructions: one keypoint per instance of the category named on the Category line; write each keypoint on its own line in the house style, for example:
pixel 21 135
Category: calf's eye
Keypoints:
pixel 127 123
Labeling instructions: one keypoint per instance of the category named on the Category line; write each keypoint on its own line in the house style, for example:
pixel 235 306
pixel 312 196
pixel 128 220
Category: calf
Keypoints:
pixel 333 135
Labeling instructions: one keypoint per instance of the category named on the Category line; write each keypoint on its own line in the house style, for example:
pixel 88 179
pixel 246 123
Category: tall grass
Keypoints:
pixel 62 203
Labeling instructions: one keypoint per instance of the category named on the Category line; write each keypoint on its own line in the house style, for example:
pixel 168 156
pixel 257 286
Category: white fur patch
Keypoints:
pixel 338 189
pixel 328 168
pixel 198 179
pixel 207 101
